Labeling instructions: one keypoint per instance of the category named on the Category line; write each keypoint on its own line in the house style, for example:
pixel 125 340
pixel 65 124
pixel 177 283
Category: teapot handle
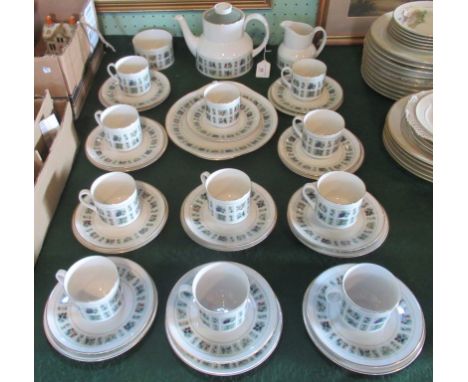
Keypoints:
pixel 263 20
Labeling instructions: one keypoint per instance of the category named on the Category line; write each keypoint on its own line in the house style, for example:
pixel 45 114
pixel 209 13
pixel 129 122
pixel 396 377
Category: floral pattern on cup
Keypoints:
pixel 336 198
pixel 121 125
pixel 132 74
pixel 233 206
pixel 222 104
pixel 156 46
pixel 115 209
pixel 305 78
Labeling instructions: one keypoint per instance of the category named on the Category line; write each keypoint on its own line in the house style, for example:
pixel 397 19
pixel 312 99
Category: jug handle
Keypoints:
pixel 263 20
pixel 322 42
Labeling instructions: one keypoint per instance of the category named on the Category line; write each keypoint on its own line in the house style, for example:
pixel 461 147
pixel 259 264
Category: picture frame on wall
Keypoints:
pixel 347 21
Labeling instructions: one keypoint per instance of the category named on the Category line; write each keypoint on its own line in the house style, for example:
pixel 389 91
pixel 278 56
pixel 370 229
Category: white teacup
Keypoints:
pixel 93 286
pixel 114 196
pixel 220 292
pixel 121 125
pixel 228 191
pixel 336 198
pixel 320 132
pixel 222 104
pixel 132 73
pixel 367 297
pixel 156 46
pixel 305 78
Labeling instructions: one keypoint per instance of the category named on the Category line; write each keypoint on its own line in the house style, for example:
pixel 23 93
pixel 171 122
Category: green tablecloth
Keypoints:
pixel 286 264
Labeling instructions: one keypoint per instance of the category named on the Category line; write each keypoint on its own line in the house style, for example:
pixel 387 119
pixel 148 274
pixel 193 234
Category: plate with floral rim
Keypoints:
pixel 152 147
pixel 415 18
pixel 110 93
pixel 348 157
pixel 383 352
pixel 100 237
pixel 77 338
pixel 205 230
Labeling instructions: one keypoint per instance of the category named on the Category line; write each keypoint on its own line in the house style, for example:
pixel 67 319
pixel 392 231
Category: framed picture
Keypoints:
pixel 347 21
pixel 172 5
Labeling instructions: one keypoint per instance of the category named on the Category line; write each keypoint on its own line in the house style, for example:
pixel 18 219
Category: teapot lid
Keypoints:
pixel 223 13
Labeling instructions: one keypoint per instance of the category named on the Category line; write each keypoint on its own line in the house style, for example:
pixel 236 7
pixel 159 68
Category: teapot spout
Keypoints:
pixel 191 40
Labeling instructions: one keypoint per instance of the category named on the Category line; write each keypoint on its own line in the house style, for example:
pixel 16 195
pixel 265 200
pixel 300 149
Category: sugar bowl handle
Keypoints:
pixel 263 20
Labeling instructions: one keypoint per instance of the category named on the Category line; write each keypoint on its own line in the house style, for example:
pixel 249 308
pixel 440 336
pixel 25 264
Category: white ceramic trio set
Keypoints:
pixel 223 318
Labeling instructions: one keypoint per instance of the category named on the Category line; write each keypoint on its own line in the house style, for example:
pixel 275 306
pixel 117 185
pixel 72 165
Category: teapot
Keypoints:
pixel 297 42
pixel 224 50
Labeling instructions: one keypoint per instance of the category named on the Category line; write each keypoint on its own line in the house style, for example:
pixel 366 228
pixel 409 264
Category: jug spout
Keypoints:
pixel 191 40
pixel 285 24
pixel 297 35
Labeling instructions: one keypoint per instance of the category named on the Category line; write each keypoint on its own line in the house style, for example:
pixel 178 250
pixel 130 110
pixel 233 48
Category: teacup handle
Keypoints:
pixel 110 71
pixel 185 292
pixel 296 127
pixel 323 41
pixel 97 117
pixel 60 276
pixel 204 176
pixel 83 196
pixel 286 76
pixel 309 188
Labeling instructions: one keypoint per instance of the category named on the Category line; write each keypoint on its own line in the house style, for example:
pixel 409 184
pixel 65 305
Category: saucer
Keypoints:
pixel 248 122
pixel 98 236
pixel 228 353
pixel 281 97
pixel 184 136
pixel 79 339
pixel 348 157
pixel 205 230
pixel 363 237
pixel 386 351
pixel 152 147
pixel 110 93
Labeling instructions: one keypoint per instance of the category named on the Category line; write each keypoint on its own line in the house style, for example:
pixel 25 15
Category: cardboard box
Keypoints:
pixel 55 168
pixel 81 92
pixel 61 74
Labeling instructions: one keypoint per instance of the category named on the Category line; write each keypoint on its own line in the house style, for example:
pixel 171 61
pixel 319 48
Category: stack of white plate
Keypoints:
pixel 402 66
pixel 411 25
pixel 407 134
